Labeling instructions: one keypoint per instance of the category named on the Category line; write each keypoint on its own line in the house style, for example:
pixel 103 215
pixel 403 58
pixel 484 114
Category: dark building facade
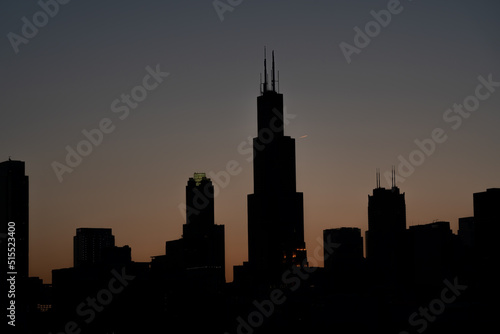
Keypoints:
pixel 275 209
pixel 348 251
pixel 14 241
pixel 201 250
pixel 385 238
pixel 434 253
pixel 343 258
pixel 467 232
pixel 14 211
pixel 91 245
pixel 487 222
pixel 203 239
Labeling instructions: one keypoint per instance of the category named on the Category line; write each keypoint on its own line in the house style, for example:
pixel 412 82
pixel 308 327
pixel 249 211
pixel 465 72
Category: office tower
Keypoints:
pixel 343 259
pixel 343 248
pixel 14 254
pixel 14 211
pixel 487 221
pixel 275 209
pixel 90 245
pixel 203 239
pixel 385 246
pixel 433 252
pixel 201 248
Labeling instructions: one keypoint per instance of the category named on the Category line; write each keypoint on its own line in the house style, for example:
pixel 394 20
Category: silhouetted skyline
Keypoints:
pixel 108 108
pixel 403 266
pixel 348 119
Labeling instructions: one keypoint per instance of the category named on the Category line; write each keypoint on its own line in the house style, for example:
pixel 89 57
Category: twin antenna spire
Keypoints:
pixel 393 177
pixel 264 86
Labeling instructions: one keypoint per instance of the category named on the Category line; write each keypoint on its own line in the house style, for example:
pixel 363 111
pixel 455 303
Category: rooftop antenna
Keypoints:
pixel 260 83
pixel 273 78
pixel 393 176
pixel 378 178
pixel 265 69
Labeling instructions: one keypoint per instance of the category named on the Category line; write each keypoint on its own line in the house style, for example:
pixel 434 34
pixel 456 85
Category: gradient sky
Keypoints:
pixel 357 117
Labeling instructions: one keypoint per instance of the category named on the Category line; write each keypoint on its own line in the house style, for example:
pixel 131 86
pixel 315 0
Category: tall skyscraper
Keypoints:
pixel 14 243
pixel 202 237
pixel 385 238
pixel 91 244
pixel 275 209
pixel 14 210
pixel 200 252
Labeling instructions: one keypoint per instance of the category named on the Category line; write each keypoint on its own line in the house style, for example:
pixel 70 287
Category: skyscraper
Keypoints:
pixel 203 239
pixel 14 209
pixel 385 246
pixel 91 244
pixel 275 209
pixel 14 243
pixel 487 222
pixel 200 252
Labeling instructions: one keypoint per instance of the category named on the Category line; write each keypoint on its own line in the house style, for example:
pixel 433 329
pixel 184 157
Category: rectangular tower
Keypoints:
pixel 14 243
pixel 386 251
pixel 203 240
pixel 14 212
pixel 487 222
pixel 91 245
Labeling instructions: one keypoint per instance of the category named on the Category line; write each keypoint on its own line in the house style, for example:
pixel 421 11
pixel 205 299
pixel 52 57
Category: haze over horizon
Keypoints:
pixel 348 119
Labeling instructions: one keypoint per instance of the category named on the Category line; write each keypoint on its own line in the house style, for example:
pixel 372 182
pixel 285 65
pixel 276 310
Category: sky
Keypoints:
pixel 167 89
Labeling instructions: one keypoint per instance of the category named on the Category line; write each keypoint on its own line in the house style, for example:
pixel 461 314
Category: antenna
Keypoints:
pixel 273 78
pixel 265 69
pixel 260 83
pixel 377 176
pixel 393 176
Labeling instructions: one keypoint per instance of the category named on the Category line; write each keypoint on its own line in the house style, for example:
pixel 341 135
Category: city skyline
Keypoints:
pixel 189 277
pixel 133 180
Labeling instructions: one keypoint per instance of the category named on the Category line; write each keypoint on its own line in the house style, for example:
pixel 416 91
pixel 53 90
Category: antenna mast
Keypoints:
pixel 273 78
pixel 265 70
pixel 378 178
